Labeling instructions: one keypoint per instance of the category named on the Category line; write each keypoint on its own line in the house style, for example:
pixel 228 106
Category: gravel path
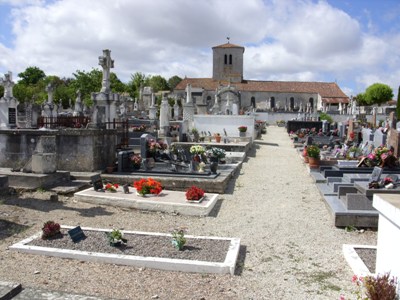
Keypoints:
pixel 290 248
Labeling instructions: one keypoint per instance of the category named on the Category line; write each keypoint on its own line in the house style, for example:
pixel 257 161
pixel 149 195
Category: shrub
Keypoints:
pixel 50 229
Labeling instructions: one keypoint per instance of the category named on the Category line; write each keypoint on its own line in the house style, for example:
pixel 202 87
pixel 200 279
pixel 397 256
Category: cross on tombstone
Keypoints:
pixel 106 63
pixel 8 85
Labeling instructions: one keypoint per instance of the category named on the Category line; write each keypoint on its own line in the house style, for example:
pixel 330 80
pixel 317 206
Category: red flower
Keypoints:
pixel 194 193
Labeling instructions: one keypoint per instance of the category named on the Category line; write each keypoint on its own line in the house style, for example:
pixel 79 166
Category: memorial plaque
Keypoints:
pixel 12 116
pixel 76 234
pixel 376 174
pixel 97 182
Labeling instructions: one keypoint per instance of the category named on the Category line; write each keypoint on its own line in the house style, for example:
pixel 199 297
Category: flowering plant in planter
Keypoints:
pixel 50 229
pixel 215 152
pixel 194 193
pixel 148 186
pixel 242 128
pixel 197 149
pixel 313 151
pixel 111 187
pixel 178 238
pixel 116 238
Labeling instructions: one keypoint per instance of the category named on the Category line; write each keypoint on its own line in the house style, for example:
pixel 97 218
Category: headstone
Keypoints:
pixel 379 138
pixel 376 174
pixel 164 116
pixel 153 108
pixel 8 104
pixel 97 182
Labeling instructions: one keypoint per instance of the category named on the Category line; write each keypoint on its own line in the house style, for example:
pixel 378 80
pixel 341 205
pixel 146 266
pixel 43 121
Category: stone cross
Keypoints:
pixel 8 85
pixel 50 90
pixel 106 63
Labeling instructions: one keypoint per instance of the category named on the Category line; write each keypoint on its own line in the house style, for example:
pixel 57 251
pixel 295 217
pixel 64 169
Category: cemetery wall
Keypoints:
pixel 272 117
pixel 77 150
pixel 217 124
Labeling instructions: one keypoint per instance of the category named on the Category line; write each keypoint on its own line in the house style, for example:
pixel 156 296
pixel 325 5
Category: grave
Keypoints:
pixel 169 264
pixel 168 201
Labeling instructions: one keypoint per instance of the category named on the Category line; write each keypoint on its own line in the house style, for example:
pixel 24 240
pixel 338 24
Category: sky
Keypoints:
pixel 354 43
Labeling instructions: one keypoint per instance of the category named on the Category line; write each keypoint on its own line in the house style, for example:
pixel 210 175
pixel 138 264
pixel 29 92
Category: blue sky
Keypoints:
pixel 352 42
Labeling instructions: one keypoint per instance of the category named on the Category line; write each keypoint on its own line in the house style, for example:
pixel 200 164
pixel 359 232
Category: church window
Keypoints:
pixel 291 102
pixel 226 59
pixel 230 59
pixel 272 102
pixel 253 102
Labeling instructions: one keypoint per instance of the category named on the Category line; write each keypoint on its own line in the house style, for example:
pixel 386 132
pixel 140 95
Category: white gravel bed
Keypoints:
pixel 290 248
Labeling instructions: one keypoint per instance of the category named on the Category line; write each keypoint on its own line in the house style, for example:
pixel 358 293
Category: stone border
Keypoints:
pixel 354 261
pixel 195 266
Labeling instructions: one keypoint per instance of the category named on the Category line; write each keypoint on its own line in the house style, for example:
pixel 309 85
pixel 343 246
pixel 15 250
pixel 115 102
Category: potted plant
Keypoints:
pixel 194 193
pixel 50 229
pixel 242 131
pixel 215 154
pixel 147 186
pixel 178 238
pixel 116 238
pixel 313 156
pixel 217 137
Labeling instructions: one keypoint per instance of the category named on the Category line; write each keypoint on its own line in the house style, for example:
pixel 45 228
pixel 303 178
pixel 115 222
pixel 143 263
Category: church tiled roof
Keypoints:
pixel 325 89
pixel 228 45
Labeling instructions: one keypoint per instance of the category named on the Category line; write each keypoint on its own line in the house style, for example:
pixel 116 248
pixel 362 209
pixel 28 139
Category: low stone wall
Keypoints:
pixel 80 150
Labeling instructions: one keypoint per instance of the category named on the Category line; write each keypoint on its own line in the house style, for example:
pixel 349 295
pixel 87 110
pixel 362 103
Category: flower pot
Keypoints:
pixel 196 201
pixel 242 133
pixel 306 160
pixel 213 165
pixel 218 139
pixel 313 162
pixel 110 169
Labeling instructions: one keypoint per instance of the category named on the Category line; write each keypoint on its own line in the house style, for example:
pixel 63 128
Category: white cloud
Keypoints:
pixel 284 40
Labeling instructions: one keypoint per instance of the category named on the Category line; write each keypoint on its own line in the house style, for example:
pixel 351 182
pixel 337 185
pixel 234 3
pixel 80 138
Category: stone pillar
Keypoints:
pixel 164 116
pixel 153 108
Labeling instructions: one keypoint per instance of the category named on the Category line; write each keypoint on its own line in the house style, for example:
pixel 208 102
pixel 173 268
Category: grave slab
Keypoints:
pixel 169 264
pixel 167 201
pixel 353 259
pixel 9 290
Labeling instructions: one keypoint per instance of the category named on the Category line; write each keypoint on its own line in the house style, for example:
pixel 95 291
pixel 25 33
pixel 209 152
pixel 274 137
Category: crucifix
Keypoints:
pixel 107 63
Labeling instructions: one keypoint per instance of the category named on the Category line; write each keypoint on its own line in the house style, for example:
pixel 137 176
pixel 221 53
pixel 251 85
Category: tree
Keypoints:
pixel 173 82
pixel 87 83
pixel 31 76
pixel 398 105
pixel 360 99
pixel 158 83
pixel 117 86
pixel 378 93
pixel 137 80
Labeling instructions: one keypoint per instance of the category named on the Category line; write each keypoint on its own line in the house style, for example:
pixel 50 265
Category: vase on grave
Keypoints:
pixel 213 165
pixel 313 162
pixel 242 133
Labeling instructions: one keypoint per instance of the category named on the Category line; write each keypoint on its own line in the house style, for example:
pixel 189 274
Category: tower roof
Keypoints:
pixel 228 45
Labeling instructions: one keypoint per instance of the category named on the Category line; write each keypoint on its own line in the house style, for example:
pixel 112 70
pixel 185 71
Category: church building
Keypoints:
pixel 227 88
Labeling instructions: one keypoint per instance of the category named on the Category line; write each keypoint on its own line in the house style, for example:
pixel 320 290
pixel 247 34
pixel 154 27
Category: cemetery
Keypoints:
pixel 123 162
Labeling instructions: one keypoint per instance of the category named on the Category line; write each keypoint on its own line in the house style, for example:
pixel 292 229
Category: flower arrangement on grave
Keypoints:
pixel 50 229
pixel 178 238
pixel 215 152
pixel 153 146
pixel 116 238
pixel 136 160
pixel 139 128
pixel 313 151
pixel 148 186
pixel 111 187
pixel 194 193
pixel 197 149
pixel 174 127
pixel 242 128
pixel 381 156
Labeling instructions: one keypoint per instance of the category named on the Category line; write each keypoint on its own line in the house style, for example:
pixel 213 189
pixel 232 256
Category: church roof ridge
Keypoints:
pixel 228 45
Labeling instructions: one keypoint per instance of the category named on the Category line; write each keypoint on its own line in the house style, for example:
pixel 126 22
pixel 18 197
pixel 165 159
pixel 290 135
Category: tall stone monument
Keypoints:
pixel 153 108
pixel 78 107
pixel 8 104
pixel 188 108
pixel 164 116
pixel 104 108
